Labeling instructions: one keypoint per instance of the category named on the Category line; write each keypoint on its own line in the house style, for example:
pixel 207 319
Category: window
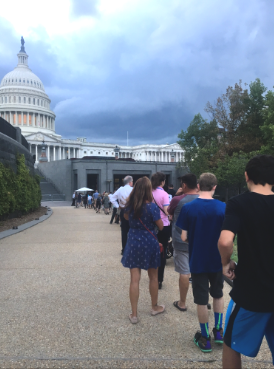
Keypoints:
pixel 31 82
pixel 106 153
pixel 23 81
pixel 16 80
pixel 14 98
pixel 99 153
pixel 12 80
pixel 20 99
pixel 85 152
pixel 27 81
pixel 37 101
pixel 10 99
pixel 6 99
pixel 19 80
pixel 91 152
pixel 33 101
pixel 34 83
pixel 24 100
pixel 29 100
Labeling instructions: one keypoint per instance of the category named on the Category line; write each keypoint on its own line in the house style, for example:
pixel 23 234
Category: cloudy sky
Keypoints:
pixel 142 66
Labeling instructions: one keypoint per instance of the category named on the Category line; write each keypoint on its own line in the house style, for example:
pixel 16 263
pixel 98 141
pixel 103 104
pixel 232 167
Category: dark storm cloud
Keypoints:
pixel 150 68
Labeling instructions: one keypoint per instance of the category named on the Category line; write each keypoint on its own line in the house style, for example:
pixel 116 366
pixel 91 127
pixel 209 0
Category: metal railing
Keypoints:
pixel 53 197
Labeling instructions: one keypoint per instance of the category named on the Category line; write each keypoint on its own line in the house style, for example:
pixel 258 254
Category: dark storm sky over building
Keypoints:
pixel 143 66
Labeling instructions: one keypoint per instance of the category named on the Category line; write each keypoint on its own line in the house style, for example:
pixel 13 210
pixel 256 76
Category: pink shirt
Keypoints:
pixel 162 199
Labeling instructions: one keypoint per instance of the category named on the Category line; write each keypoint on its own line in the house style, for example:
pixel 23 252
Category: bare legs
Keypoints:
pixel 218 307
pixel 183 288
pixel 153 289
pixel 231 358
pixel 135 276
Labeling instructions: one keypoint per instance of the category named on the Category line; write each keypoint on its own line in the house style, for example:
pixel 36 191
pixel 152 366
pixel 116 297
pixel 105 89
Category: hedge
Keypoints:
pixel 20 192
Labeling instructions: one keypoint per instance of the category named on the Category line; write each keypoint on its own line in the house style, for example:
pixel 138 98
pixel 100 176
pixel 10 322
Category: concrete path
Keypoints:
pixel 64 303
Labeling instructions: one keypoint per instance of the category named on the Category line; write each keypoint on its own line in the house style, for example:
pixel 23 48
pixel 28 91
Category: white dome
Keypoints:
pixel 22 76
pixel 23 100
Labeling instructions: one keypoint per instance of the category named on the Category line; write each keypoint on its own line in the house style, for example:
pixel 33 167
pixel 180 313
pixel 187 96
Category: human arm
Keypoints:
pixel 179 192
pixel 184 236
pixel 159 224
pixel 231 226
pixel 113 199
pixel 225 245
pixel 165 209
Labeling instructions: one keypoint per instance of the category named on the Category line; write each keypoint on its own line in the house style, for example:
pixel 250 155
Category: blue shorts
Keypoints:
pixel 244 330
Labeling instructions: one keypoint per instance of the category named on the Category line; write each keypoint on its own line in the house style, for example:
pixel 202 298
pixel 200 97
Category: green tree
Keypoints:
pixel 200 142
pixel 268 123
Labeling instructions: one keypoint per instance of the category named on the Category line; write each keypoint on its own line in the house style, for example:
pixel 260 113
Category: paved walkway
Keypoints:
pixel 64 303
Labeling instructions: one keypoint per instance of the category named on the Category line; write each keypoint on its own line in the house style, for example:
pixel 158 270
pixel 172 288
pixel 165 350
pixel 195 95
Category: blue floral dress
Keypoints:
pixel 142 249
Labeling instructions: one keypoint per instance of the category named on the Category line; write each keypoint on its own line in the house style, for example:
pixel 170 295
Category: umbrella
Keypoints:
pixel 84 189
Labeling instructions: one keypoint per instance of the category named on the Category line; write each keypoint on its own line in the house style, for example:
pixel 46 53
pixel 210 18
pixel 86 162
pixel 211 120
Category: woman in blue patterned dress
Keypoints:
pixel 142 250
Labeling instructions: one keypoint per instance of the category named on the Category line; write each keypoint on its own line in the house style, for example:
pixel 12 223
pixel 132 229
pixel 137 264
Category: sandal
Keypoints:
pixel 176 304
pixel 156 312
pixel 133 319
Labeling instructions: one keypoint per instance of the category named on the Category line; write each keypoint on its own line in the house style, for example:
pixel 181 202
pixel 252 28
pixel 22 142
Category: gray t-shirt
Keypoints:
pixel 177 242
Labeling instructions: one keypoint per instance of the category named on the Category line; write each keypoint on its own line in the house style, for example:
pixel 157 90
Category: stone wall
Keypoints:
pixel 61 172
pixel 9 148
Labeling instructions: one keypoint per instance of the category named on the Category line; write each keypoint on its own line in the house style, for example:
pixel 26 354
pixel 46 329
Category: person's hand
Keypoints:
pixel 229 270
pixel 179 192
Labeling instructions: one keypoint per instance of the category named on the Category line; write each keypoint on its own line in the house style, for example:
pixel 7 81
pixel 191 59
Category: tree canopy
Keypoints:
pixel 241 125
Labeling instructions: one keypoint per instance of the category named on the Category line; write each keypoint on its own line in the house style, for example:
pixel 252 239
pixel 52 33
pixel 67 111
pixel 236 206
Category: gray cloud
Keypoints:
pixel 149 68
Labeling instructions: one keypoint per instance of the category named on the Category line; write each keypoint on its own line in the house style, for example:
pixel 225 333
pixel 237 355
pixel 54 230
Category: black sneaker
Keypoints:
pixel 202 342
pixel 218 335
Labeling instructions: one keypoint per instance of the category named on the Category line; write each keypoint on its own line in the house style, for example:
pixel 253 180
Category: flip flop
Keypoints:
pixel 175 303
pixel 154 312
pixel 133 319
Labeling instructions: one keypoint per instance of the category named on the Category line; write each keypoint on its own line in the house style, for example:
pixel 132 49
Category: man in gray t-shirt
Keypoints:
pixel 187 193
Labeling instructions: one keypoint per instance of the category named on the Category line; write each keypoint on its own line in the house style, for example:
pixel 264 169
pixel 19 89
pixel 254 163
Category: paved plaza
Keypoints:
pixel 64 303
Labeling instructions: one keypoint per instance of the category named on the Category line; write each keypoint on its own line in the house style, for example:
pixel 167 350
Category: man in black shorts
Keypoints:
pixel 250 216
pixel 201 222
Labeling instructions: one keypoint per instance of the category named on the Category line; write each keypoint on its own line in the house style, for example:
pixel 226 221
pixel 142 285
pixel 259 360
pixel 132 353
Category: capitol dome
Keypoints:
pixel 23 101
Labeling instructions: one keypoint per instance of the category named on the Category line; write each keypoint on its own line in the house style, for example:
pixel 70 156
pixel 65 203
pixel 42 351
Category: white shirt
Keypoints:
pixel 121 195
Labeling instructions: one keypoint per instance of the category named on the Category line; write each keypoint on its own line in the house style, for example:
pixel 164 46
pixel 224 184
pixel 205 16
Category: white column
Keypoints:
pixel 16 118
pixel 69 152
pixel 74 152
pixel 53 153
pixel 48 153
pixel 36 152
pixel 32 120
pixel 27 118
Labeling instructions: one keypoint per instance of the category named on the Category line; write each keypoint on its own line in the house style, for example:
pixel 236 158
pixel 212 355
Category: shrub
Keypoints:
pixel 19 191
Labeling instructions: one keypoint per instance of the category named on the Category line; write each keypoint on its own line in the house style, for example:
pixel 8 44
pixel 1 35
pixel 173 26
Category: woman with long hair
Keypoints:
pixel 142 250
pixel 161 199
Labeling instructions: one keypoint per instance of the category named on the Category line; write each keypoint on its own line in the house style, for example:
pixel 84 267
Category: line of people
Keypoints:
pixel 96 201
pixel 203 232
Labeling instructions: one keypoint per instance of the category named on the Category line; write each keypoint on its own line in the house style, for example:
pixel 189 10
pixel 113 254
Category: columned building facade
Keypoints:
pixel 25 104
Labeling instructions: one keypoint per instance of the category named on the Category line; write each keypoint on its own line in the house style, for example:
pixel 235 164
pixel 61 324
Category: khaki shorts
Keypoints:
pixel 181 261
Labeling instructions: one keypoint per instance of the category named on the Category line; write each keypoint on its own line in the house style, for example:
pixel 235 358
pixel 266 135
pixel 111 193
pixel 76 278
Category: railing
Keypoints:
pixel 7 129
pixel 40 173
pixel 53 197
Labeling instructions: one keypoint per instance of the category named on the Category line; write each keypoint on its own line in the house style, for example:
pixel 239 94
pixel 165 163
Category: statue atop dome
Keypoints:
pixel 22 45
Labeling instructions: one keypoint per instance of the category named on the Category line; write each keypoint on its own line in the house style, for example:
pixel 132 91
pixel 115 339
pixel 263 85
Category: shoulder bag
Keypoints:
pixel 160 245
